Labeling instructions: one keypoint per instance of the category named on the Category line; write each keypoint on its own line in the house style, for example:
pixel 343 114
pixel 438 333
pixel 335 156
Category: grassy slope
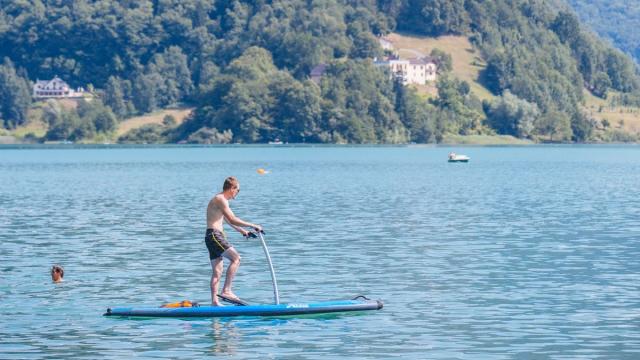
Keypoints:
pixel 624 118
pixel 153 118
pixel 37 127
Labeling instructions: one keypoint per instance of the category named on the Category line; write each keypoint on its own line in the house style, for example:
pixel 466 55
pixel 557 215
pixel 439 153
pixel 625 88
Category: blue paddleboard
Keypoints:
pixel 250 310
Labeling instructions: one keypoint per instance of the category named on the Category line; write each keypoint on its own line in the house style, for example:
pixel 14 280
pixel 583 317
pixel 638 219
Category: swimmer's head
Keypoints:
pixel 57 273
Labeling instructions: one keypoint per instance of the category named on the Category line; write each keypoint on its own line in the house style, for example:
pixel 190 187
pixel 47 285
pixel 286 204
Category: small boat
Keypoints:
pixel 322 307
pixel 453 157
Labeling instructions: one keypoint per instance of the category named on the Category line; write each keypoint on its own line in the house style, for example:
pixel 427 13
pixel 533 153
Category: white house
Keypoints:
pixel 55 88
pixel 412 71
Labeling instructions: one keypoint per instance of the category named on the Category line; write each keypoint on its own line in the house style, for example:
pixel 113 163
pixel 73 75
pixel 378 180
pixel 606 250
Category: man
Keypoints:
pixel 216 240
pixel 57 273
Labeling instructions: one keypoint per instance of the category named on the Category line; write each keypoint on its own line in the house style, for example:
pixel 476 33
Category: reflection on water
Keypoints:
pixel 523 252
pixel 225 337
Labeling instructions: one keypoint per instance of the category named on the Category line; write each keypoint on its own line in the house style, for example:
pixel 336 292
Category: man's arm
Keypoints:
pixel 231 218
pixel 238 228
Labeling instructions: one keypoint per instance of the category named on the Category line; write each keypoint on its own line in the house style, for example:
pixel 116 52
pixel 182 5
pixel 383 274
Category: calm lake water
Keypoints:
pixel 525 252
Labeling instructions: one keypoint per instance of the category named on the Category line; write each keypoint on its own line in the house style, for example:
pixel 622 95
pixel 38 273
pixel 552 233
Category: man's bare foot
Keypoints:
pixel 216 304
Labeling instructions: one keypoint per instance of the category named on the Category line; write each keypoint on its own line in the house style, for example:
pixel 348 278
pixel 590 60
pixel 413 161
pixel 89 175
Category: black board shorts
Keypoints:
pixel 216 242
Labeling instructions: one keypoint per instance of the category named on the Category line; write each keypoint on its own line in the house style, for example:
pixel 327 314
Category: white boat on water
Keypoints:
pixel 453 157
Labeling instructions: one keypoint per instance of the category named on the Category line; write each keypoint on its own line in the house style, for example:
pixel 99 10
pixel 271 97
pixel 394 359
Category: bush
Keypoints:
pixel 210 136
pixel 147 134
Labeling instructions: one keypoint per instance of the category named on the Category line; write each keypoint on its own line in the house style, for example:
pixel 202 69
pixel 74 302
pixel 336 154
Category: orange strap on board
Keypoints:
pixel 183 303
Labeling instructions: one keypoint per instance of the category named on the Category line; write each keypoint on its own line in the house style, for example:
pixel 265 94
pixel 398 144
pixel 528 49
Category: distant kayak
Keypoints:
pixel 249 310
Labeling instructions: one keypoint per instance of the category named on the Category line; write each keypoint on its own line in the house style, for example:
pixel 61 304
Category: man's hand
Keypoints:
pixel 250 235
pixel 258 228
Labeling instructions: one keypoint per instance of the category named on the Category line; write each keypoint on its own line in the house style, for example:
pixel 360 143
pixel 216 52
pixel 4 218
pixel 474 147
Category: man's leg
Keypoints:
pixel 234 259
pixel 216 266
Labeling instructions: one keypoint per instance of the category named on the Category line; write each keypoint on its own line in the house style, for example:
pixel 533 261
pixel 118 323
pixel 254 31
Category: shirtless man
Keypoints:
pixel 216 240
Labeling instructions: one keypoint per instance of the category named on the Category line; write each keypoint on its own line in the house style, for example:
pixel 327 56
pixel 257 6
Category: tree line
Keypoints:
pixel 245 67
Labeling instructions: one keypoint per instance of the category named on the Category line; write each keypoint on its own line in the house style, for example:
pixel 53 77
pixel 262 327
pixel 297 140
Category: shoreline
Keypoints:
pixel 7 141
pixel 61 146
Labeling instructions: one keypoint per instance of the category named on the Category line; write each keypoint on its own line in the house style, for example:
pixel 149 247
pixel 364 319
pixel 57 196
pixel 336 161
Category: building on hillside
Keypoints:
pixel 411 71
pixel 317 72
pixel 55 88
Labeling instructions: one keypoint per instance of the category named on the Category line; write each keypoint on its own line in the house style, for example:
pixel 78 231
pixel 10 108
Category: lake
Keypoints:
pixel 524 252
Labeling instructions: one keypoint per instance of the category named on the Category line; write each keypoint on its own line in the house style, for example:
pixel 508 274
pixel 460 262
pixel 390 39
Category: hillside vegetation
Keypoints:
pixel 615 20
pixel 518 68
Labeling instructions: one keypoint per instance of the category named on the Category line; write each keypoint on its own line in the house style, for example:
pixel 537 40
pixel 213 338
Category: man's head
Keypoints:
pixel 231 187
pixel 57 273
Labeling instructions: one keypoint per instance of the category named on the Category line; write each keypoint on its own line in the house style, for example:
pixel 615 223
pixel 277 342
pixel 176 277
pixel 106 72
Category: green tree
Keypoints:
pixel 297 111
pixel 145 88
pixel 210 136
pixel 567 27
pixel 15 96
pixel 622 72
pixel 601 83
pixel 419 117
pixel 207 76
pixel 66 125
pixel 146 134
pixel 444 60
pixel 444 16
pixel 114 97
pixel 554 125
pixel 171 76
pixel 169 121
pixel 511 115
pixel 581 127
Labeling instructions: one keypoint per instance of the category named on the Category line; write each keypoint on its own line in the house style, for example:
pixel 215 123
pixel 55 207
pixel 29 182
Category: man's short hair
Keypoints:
pixel 229 183
pixel 57 269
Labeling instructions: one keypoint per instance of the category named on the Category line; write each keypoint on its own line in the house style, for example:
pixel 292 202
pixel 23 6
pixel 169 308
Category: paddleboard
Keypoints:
pixel 249 310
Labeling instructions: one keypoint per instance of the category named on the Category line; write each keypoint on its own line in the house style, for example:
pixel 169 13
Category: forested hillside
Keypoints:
pixel 615 20
pixel 244 66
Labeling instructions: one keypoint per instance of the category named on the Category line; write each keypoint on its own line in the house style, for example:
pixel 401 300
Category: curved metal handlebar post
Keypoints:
pixel 276 297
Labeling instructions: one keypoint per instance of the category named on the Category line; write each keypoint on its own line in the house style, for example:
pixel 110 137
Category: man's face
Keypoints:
pixel 236 190
pixel 56 274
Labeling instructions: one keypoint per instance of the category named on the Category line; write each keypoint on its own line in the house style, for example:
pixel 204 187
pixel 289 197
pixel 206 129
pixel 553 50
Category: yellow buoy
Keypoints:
pixel 261 171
